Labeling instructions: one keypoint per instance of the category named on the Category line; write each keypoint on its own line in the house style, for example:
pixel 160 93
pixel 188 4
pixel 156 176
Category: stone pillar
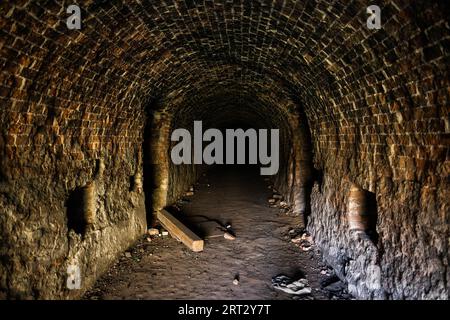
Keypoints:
pixel 89 199
pixel 302 168
pixel 159 144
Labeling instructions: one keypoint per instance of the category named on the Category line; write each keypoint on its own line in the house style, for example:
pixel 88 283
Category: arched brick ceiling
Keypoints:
pixel 130 53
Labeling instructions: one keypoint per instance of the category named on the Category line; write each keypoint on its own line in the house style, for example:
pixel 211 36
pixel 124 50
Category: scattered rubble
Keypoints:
pixel 189 193
pixel 335 288
pixel 286 284
pixel 303 241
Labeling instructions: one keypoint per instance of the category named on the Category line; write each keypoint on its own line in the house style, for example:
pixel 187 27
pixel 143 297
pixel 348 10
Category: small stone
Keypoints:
pixel 189 194
pixel 127 254
pixel 153 231
pixel 235 282
pixel 149 239
pixel 296 240
pixel 228 236
pixel 277 196
pixel 284 283
pixel 164 233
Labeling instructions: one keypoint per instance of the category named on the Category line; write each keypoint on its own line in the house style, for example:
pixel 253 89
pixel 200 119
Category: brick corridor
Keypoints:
pixel 86 118
pixel 168 270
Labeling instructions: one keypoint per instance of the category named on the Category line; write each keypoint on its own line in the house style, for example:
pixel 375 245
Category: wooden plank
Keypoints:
pixel 180 231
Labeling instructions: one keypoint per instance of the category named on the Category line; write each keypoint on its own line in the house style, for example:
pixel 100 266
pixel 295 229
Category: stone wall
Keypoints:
pixel 44 229
pixel 386 130
pixel 65 123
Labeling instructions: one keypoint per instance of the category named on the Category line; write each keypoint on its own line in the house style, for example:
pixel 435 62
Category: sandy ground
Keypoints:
pixel 165 269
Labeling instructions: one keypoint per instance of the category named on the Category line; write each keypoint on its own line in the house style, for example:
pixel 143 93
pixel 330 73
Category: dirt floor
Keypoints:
pixel 162 268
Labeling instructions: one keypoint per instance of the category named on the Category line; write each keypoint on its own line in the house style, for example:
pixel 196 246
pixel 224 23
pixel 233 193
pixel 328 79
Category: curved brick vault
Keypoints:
pixel 83 111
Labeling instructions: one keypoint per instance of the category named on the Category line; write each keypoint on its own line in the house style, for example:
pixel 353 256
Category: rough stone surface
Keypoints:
pixel 353 105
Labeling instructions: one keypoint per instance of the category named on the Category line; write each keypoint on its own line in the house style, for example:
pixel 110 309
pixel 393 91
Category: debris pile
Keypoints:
pixel 277 201
pixel 228 232
pixel 286 284
pixel 335 288
pixel 155 232
pixel 304 241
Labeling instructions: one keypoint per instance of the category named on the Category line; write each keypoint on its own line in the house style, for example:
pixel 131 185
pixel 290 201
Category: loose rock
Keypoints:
pixel 153 232
pixel 286 284
pixel 229 236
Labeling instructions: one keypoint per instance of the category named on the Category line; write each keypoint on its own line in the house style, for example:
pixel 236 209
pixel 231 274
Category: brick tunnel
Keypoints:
pixel 87 115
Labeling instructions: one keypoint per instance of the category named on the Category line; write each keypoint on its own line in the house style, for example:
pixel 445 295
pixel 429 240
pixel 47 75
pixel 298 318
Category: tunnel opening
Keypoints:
pixel 222 112
pixel 149 172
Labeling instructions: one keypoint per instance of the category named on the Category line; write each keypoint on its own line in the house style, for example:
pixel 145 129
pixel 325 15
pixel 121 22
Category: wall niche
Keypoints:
pixel 362 213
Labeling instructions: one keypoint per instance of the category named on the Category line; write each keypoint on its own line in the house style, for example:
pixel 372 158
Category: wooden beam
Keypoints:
pixel 180 231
